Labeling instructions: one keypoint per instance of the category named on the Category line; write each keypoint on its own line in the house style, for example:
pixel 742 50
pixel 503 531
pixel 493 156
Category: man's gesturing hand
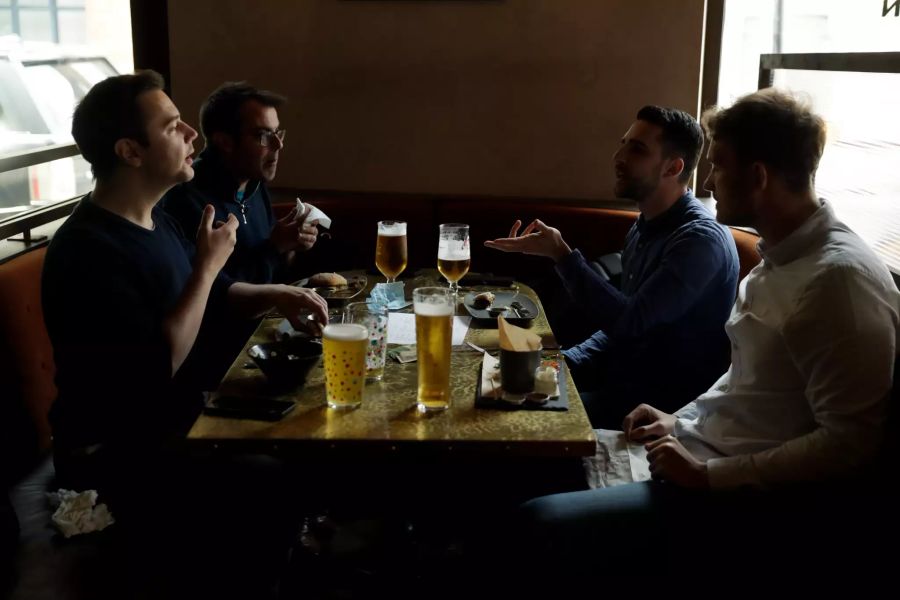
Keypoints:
pixel 215 242
pixel 537 239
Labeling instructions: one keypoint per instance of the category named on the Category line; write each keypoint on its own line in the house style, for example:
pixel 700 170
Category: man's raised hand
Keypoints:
pixel 215 240
pixel 538 239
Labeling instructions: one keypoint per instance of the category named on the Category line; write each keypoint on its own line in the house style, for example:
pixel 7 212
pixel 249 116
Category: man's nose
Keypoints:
pixel 190 134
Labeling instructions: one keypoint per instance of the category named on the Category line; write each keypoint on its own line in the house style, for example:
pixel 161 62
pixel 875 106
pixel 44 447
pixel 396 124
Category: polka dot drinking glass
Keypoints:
pixel 344 352
pixel 375 320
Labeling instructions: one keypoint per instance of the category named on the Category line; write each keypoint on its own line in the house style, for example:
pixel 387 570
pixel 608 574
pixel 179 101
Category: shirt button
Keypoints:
pixel 631 277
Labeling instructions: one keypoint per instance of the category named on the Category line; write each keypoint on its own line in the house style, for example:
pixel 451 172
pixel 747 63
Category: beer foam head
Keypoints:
pixel 433 309
pixel 391 228
pixel 345 332
pixel 453 254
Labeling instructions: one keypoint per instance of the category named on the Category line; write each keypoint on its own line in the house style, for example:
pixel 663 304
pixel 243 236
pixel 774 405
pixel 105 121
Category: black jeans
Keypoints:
pixel 655 536
pixel 193 526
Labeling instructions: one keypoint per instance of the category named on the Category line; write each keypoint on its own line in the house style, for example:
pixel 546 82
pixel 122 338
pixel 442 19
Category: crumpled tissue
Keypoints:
pixel 314 214
pixel 388 294
pixel 78 512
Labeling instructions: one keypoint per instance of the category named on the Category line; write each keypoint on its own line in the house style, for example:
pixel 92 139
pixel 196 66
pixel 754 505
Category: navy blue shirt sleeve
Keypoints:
pixel 692 259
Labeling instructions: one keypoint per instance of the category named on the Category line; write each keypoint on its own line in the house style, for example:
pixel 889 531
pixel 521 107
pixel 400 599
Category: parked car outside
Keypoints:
pixel 40 84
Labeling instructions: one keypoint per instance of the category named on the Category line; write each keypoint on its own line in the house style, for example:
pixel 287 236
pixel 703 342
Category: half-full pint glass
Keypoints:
pixel 390 249
pixel 344 351
pixel 375 319
pixel 434 308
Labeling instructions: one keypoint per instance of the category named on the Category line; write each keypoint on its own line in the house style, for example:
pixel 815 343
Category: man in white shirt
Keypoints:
pixel 801 410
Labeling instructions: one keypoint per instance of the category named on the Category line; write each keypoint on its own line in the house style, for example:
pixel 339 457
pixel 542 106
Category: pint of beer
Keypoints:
pixel 453 253
pixel 344 352
pixel 390 249
pixel 434 330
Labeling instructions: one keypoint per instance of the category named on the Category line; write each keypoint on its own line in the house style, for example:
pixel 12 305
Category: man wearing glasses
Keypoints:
pixel 243 142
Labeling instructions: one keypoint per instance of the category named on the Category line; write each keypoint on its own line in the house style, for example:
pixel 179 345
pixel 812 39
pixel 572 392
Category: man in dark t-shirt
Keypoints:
pixel 123 303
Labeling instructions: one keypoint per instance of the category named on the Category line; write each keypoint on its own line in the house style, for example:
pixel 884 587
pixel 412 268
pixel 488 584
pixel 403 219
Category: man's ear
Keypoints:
pixel 760 177
pixel 222 142
pixel 128 152
pixel 675 167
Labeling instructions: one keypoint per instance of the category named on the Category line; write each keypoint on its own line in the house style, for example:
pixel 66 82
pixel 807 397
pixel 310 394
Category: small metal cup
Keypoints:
pixel 517 370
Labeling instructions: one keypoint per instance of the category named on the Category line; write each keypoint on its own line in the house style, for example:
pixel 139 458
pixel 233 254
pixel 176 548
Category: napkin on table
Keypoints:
pixel 388 294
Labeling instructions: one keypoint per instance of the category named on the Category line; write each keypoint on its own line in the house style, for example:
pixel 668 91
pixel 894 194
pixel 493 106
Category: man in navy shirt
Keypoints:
pixel 244 139
pixel 660 338
pixel 124 296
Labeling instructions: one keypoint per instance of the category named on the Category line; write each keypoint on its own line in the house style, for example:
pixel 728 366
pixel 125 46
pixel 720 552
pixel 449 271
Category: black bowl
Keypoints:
pixel 286 363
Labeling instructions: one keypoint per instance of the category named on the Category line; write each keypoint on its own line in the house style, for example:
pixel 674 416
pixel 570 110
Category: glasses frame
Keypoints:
pixel 264 137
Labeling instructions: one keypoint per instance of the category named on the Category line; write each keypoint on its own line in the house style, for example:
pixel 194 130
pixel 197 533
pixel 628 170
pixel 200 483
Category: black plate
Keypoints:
pixel 559 403
pixel 355 285
pixel 527 312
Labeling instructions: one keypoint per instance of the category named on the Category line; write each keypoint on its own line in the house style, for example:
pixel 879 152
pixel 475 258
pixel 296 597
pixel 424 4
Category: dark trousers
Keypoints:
pixel 192 526
pixel 652 536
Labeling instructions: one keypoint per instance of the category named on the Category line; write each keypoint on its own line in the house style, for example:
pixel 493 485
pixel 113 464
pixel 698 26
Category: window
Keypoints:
pixel 44 20
pixel 40 84
pixel 857 174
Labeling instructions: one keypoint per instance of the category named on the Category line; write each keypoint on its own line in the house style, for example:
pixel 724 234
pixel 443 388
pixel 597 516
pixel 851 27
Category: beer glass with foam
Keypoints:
pixel 434 307
pixel 344 351
pixel 390 249
pixel 453 253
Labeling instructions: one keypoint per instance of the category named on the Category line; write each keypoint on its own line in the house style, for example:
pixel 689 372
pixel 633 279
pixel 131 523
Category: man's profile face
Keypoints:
pixel 639 161
pixel 251 159
pixel 729 182
pixel 170 141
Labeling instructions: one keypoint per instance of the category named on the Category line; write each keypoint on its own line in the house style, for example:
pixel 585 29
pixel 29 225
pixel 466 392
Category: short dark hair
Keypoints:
pixel 221 111
pixel 681 135
pixel 108 113
pixel 774 128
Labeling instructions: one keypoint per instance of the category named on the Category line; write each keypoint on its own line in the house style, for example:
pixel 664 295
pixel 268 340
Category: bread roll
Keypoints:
pixel 327 280
pixel 483 300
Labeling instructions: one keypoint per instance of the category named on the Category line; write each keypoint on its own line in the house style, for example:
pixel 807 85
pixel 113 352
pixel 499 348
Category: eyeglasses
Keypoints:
pixel 267 137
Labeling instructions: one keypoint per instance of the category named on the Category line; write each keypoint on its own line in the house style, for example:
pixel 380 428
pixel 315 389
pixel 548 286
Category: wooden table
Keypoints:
pixel 387 423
